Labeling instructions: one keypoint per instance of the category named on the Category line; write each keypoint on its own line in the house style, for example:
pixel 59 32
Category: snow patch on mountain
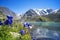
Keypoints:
pixel 40 12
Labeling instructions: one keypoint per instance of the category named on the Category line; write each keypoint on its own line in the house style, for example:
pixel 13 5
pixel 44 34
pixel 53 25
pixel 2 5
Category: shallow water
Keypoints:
pixel 54 24
pixel 49 25
pixel 46 30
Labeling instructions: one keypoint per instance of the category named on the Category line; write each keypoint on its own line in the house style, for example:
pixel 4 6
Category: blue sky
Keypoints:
pixel 21 6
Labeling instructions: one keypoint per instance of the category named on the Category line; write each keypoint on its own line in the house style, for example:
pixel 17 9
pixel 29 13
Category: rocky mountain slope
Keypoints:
pixel 7 11
pixel 44 14
pixel 55 16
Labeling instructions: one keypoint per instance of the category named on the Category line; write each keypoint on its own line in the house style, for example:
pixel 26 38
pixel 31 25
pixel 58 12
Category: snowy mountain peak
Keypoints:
pixel 40 12
pixel 55 11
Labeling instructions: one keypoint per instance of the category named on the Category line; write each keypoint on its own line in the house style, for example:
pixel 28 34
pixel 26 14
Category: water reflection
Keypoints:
pixel 45 39
pixel 46 30
pixel 44 33
pixel 49 25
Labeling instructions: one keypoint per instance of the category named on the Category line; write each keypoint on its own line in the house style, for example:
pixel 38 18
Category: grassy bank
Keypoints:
pixel 12 32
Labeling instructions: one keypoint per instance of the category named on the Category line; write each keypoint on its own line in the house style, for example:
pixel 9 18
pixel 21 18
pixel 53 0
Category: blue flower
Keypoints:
pixel 1 23
pixel 26 24
pixel 33 39
pixel 22 32
pixel 6 22
pixel 9 21
pixel 9 17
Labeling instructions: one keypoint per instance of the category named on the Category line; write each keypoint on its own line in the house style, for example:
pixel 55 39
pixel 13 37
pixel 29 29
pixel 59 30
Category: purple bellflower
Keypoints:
pixel 9 21
pixel 1 23
pixel 26 25
pixel 9 17
pixel 22 32
pixel 33 39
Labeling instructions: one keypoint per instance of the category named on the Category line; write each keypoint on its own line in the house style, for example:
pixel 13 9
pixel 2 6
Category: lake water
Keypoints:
pixel 55 24
pixel 45 30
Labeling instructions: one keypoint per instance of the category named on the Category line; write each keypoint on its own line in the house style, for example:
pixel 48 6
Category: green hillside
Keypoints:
pixel 37 19
pixel 54 17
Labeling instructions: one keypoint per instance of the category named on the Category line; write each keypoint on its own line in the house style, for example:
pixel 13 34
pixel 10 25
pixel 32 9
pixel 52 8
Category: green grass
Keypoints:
pixel 15 28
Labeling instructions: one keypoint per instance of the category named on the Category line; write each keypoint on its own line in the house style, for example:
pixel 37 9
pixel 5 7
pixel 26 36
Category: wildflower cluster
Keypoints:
pixel 11 33
pixel 28 26
pixel 8 21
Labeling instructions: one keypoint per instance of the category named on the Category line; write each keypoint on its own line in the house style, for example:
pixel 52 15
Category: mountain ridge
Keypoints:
pixel 42 15
pixel 40 12
pixel 7 11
